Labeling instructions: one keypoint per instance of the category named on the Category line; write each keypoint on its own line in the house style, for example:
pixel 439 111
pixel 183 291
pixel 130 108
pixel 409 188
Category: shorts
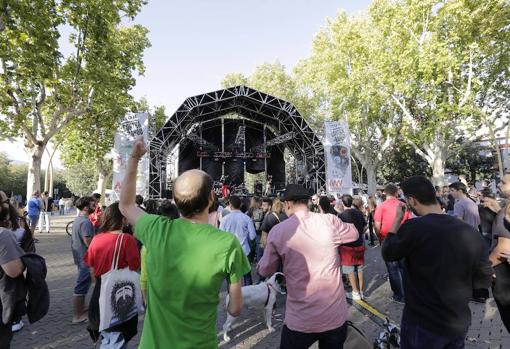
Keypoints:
pixel 83 281
pixel 349 269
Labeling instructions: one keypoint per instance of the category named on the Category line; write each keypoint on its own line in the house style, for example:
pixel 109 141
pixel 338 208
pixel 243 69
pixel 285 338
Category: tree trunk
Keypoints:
pixel 34 168
pixel 104 169
pixel 438 166
pixel 371 179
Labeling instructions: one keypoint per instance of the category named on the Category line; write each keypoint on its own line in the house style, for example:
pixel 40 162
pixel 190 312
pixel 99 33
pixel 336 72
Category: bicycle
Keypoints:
pixel 69 228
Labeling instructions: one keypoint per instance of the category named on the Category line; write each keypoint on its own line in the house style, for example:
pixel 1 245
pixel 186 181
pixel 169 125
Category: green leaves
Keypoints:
pixel 84 88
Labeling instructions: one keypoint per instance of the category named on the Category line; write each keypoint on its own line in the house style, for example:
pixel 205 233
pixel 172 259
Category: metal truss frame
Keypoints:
pixel 252 104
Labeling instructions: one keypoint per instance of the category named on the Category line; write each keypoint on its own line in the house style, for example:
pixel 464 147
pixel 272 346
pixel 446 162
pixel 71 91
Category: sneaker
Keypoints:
pixel 362 295
pixel 17 326
pixel 356 296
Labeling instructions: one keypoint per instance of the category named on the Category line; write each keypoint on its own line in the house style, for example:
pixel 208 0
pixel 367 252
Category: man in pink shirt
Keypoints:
pixel 383 218
pixel 307 246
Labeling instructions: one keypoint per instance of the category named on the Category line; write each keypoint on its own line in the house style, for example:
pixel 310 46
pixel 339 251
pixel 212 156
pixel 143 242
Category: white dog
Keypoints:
pixel 259 296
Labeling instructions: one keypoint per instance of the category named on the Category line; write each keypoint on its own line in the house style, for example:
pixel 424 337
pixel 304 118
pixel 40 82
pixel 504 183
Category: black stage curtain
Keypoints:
pixel 234 168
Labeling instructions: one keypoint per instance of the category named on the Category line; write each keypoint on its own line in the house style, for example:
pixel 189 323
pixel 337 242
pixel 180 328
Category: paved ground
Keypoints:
pixel 56 330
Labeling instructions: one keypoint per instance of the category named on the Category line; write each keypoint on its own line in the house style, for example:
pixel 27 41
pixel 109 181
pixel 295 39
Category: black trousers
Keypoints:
pixel 333 339
pixel 500 291
pixel 5 336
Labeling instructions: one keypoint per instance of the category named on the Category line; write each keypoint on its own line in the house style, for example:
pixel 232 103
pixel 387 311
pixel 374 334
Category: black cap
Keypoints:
pixel 295 192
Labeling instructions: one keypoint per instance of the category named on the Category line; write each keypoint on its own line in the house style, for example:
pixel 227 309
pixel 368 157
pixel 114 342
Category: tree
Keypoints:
pixel 402 162
pixel 472 159
pixel 81 178
pixel 271 78
pixel 41 90
pixel 157 115
pixel 342 74
pixel 436 60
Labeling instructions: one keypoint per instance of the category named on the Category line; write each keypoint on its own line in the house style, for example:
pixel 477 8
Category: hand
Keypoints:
pixel 504 256
pixel 139 148
pixel 491 204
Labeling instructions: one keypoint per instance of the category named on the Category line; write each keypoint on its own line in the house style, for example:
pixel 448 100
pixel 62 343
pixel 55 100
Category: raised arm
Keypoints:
pixel 127 204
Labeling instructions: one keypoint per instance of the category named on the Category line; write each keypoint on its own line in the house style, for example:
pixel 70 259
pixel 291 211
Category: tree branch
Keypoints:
pixel 470 78
pixel 35 109
pixel 404 110
pixel 420 152
pixel 64 122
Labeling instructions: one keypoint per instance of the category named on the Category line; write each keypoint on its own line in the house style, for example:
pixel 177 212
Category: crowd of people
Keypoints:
pixel 442 246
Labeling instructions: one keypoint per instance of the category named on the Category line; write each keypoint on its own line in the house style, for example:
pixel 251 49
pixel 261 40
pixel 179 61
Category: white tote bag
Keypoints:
pixel 121 297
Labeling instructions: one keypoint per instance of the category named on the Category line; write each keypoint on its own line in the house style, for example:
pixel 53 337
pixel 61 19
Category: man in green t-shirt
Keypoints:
pixel 187 261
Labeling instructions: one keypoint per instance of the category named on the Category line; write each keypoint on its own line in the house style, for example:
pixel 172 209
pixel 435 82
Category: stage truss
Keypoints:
pixel 281 116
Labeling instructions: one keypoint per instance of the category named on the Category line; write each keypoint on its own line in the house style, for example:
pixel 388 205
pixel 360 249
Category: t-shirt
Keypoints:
pixel 444 260
pixel 241 226
pixel 186 264
pixel 9 249
pixel 498 227
pixel 270 221
pixel 100 253
pixel 467 210
pixel 34 207
pixel 351 215
pixel 307 245
pixel 82 228
pixel 385 214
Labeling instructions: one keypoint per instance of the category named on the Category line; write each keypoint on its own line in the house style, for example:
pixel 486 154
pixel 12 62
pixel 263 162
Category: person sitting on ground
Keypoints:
pixel 306 244
pixel 99 258
pixel 241 226
pixel 187 262
pixel 353 254
pixel 444 259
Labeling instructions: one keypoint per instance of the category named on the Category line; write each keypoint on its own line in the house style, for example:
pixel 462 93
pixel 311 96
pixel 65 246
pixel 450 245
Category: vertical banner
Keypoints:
pixel 132 126
pixel 337 149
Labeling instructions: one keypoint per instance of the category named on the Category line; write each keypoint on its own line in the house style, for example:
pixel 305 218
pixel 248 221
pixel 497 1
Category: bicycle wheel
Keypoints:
pixel 69 228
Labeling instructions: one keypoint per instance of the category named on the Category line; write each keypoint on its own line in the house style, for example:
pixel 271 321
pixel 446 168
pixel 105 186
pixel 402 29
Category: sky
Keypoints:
pixel 195 43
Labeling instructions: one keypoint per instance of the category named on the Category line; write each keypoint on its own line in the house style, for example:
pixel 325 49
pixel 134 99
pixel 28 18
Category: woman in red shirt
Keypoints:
pixel 99 258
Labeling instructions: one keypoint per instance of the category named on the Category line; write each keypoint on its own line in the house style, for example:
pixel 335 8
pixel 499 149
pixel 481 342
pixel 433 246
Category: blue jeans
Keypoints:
pixel 83 280
pixel 33 220
pixel 259 250
pixel 112 340
pixel 416 337
pixel 395 272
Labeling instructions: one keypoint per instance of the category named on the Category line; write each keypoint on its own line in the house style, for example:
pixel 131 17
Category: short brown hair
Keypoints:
pixel 193 201
pixel 390 189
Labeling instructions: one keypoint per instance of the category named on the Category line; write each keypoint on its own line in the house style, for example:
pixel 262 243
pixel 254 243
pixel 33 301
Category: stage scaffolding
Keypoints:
pixel 280 116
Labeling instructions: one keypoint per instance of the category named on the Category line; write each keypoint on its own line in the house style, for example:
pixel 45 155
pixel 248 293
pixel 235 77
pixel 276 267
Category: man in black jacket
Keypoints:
pixel 445 258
